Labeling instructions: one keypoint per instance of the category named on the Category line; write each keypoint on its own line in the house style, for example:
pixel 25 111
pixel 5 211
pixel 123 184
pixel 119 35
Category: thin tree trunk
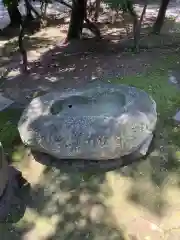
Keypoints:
pixel 97 10
pixel 133 15
pixel 137 30
pixel 22 47
pixel 78 15
pixel 161 16
pixel 88 24
pixel 14 14
pixel 44 6
pixel 136 23
pixel 28 11
pixel 32 9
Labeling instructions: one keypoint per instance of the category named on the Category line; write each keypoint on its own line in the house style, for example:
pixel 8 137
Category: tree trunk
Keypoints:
pixel 28 11
pixel 78 15
pixel 97 10
pixel 161 16
pixel 134 16
pixel 22 47
pixel 14 14
pixel 137 29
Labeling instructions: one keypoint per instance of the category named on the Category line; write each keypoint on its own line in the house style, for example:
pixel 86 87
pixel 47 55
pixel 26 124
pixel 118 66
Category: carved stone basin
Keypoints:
pixel 98 122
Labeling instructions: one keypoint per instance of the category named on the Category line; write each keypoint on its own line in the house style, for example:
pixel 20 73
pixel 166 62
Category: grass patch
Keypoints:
pixel 8 126
pixel 162 166
pixel 167 97
pixel 9 135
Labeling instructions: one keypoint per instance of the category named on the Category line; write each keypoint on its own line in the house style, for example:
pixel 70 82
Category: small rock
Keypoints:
pixel 176 118
pixel 174 78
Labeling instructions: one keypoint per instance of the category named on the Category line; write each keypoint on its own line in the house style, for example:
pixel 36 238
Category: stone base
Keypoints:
pixel 95 165
pixel 11 205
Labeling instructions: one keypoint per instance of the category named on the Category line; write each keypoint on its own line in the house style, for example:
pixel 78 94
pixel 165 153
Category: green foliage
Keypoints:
pixel 8 127
pixel 7 3
pixel 123 5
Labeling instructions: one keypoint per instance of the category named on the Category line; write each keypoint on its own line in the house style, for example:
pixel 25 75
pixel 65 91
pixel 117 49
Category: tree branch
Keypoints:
pixel 32 8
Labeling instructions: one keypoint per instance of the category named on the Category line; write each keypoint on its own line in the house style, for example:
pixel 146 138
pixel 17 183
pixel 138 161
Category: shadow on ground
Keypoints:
pixel 81 62
pixel 67 204
pixel 76 198
pixel 155 176
pixel 70 200
pixel 150 176
pixel 10 49
pixel 14 201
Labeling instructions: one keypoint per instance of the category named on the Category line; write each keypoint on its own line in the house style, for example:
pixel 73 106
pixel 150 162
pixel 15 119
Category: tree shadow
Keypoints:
pixel 14 198
pixel 10 32
pixel 76 200
pixel 10 49
pixel 62 62
pixel 158 174
pixel 71 196
pixel 9 231
pixel 171 26
pixel 14 202
pixel 79 62
pixel 35 26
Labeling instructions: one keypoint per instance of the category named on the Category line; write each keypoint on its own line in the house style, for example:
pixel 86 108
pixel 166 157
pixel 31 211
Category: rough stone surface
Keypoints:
pixel 101 121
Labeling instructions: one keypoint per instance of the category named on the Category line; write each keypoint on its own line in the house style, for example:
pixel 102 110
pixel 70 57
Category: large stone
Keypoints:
pixel 98 122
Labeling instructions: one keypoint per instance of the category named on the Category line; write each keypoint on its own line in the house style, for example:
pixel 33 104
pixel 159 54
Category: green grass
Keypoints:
pixel 167 96
pixel 9 135
pixel 8 126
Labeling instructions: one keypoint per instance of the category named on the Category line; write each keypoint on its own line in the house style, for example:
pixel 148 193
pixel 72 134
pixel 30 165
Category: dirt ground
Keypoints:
pixel 56 66
pixel 64 202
